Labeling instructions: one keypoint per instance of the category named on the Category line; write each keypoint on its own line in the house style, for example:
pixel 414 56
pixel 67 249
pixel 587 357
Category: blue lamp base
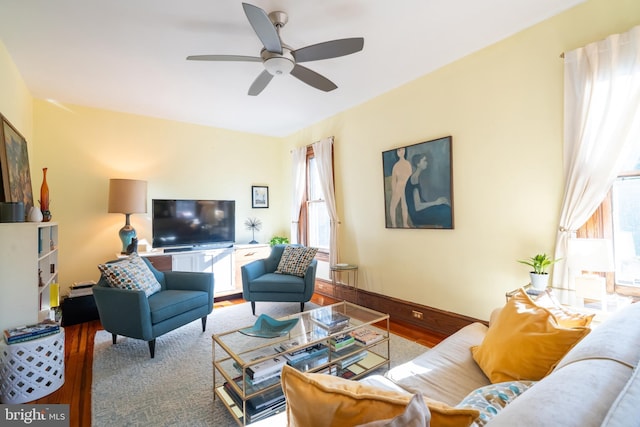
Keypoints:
pixel 126 233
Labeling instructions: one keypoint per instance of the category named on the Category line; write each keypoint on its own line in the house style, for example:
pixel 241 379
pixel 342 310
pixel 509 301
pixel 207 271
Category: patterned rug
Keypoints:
pixel 176 387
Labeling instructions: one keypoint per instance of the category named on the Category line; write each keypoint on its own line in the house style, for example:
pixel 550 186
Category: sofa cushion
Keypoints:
pixel 626 406
pixel 416 414
pixel 295 260
pixel 491 399
pixel 131 273
pixel 278 283
pixel 431 372
pixel 167 304
pixel 336 401
pixel 611 340
pixel 525 342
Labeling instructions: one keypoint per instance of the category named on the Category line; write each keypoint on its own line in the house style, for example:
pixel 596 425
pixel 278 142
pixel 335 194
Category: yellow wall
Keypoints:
pixel 502 106
pixel 16 103
pixel 84 147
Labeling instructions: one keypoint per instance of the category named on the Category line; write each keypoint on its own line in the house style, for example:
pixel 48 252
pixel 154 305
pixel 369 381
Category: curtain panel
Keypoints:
pixel 601 130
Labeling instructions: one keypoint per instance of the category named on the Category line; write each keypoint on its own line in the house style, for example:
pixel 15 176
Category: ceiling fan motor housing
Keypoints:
pixel 278 64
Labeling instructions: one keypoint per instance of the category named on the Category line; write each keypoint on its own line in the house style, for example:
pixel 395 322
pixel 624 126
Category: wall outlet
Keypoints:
pixel 416 314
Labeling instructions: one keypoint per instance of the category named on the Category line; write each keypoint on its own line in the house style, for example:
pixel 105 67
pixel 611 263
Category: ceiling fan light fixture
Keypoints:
pixel 278 66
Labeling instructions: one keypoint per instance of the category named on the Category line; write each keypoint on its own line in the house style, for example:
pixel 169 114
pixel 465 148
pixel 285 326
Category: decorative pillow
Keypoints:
pixel 491 399
pixel 319 400
pixel 525 342
pixel 130 273
pixel 566 318
pixel 295 260
pixel 415 415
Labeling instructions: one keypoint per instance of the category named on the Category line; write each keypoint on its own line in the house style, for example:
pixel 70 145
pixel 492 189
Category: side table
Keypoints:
pixel 32 369
pixel 351 273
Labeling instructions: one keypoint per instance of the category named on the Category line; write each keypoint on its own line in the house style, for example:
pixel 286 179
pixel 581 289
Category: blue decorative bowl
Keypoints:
pixel 268 327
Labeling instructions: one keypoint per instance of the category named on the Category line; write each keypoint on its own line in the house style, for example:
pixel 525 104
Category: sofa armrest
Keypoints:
pixel 310 279
pixel 251 271
pixel 113 302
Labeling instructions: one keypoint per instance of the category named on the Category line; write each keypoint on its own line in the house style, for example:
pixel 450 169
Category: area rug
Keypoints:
pixel 176 387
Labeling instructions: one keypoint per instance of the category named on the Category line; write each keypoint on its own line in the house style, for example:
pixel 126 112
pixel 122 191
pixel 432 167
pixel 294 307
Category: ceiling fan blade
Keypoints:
pixel 330 49
pixel 263 27
pixel 312 78
pixel 224 58
pixel 260 83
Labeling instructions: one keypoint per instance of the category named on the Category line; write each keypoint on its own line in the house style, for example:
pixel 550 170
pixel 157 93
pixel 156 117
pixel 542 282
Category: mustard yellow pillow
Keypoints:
pixel 319 400
pixel 525 342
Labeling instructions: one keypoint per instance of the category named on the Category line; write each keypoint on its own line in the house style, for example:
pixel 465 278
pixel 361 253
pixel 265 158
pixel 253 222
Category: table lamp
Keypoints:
pixel 590 256
pixel 127 196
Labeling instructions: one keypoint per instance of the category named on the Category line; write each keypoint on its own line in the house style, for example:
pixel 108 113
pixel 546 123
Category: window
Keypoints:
pixel 618 218
pixel 317 228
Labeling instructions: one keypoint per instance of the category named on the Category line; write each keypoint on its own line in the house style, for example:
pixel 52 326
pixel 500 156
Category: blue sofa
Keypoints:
pixel 183 298
pixel 260 282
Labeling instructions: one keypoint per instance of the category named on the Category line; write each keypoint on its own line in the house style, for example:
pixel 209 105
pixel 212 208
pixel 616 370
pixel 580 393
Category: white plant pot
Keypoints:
pixel 539 281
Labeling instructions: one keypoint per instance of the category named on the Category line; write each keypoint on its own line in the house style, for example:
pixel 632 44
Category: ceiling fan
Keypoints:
pixel 280 59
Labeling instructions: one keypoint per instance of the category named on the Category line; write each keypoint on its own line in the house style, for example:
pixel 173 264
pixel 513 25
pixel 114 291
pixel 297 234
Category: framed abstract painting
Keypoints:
pixel 14 164
pixel 418 185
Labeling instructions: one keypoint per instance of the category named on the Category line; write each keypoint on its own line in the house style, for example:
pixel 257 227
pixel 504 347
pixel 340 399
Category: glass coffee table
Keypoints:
pixel 342 339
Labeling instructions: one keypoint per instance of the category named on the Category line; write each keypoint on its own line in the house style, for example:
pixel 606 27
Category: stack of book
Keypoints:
pixel 31 332
pixel 296 355
pixel 266 370
pixel 258 407
pixel 330 321
pixel 341 341
pixel 366 336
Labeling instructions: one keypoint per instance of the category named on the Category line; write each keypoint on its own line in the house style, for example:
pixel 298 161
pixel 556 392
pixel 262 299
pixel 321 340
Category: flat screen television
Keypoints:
pixel 182 224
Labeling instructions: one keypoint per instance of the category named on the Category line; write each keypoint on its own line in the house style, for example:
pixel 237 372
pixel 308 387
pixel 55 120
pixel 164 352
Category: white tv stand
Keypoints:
pixel 224 262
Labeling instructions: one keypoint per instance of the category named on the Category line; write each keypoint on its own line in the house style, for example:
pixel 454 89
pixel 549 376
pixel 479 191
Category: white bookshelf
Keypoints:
pixel 26 248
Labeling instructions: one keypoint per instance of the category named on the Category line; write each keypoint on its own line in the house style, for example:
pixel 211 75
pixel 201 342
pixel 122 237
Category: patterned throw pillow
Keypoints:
pixel 295 260
pixel 493 398
pixel 131 273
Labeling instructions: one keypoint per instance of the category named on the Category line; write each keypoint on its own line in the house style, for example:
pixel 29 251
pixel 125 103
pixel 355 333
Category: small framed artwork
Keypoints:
pixel 259 196
pixel 418 185
pixel 14 165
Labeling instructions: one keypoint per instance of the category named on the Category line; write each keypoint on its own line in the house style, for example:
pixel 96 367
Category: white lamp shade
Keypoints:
pixel 594 255
pixel 127 196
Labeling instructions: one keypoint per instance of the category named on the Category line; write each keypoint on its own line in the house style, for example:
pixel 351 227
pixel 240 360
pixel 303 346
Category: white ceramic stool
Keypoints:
pixel 31 369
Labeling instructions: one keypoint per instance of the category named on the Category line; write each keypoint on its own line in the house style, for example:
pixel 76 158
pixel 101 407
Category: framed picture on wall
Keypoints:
pixel 14 164
pixel 418 187
pixel 259 196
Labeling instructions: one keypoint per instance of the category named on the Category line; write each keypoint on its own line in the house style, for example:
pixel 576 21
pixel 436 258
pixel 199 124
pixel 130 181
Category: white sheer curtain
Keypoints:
pixel 322 151
pixel 602 129
pixel 299 164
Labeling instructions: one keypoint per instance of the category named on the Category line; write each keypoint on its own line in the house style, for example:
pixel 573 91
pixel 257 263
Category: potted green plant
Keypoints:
pixel 277 240
pixel 539 275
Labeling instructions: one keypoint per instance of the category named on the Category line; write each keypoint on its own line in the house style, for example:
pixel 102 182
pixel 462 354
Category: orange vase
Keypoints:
pixel 44 197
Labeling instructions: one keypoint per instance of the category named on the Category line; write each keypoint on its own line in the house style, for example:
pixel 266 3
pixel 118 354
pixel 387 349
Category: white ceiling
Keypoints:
pixel 129 55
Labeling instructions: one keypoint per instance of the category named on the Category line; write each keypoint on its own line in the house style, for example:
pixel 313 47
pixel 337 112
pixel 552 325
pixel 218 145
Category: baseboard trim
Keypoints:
pixel 433 319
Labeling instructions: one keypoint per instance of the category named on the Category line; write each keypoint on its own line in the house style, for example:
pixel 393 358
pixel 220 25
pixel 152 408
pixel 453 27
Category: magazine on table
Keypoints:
pixel 29 332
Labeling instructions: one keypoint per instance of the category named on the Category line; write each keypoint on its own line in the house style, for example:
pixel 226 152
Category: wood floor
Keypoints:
pixel 76 390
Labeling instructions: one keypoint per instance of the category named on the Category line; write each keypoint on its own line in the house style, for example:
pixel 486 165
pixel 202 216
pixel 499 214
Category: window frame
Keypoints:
pixel 303 231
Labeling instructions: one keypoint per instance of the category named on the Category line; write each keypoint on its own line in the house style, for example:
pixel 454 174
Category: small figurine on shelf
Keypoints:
pixel 40 282
pixel 133 246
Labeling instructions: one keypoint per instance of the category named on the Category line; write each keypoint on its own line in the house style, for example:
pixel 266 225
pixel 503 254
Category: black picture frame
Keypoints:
pixel 418 185
pixel 259 196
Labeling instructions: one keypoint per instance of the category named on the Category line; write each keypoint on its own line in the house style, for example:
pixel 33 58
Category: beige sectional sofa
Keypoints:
pixel 595 384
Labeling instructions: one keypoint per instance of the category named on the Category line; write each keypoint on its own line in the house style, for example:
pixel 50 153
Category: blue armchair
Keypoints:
pixel 260 282
pixel 183 298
